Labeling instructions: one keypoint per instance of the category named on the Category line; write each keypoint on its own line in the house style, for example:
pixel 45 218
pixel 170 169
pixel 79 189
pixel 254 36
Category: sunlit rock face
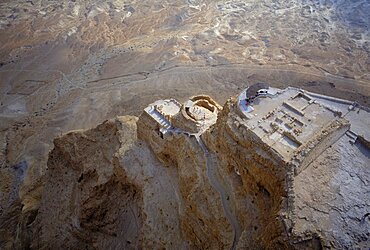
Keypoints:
pixel 277 157
pixel 87 201
pixel 68 65
pixel 286 172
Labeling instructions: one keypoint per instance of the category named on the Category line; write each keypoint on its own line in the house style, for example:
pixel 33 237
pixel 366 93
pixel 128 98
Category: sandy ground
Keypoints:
pixel 70 65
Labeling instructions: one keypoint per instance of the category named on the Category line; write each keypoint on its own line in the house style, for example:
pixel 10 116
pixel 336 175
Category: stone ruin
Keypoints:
pixel 194 116
pixel 277 143
pixel 287 170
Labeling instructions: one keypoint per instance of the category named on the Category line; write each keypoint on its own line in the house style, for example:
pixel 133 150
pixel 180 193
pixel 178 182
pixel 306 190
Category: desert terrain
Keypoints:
pixel 71 65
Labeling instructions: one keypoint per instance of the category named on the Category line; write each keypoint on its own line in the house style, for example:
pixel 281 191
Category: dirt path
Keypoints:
pixel 211 172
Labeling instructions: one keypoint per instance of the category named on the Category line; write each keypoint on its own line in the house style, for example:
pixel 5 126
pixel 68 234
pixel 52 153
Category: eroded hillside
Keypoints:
pixel 176 177
pixel 68 65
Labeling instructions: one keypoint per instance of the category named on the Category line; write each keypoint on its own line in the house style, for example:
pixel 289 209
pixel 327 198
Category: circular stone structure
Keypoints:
pixel 198 113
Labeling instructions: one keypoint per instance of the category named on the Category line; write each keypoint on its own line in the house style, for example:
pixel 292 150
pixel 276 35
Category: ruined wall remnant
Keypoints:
pixel 197 114
pixel 202 220
pixel 266 150
pixel 286 171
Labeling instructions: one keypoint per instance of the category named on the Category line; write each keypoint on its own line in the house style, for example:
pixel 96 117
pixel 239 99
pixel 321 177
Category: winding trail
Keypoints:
pixel 213 180
pixel 211 172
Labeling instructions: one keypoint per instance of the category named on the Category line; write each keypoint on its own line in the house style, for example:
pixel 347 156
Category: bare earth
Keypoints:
pixel 68 65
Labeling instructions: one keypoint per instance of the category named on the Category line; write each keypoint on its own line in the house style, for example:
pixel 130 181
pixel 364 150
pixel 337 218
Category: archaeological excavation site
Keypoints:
pixel 270 169
pixel 254 173
pixel 185 124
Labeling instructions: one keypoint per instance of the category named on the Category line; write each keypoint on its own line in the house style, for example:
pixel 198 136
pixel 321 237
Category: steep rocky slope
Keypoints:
pixel 68 65
pixel 106 189
pixel 279 206
pixel 85 201
pixel 254 188
pixel 128 183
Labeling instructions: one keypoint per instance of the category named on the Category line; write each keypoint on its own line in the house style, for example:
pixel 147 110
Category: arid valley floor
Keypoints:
pixel 71 65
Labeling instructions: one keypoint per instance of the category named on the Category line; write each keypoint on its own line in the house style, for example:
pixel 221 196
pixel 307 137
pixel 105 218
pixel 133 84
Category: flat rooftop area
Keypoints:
pixel 289 118
pixel 332 191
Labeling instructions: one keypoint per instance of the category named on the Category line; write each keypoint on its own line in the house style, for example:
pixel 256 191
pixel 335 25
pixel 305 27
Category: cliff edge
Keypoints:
pixel 283 169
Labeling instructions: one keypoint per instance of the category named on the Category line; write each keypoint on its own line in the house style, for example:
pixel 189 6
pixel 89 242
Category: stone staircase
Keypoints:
pixel 163 122
pixel 352 136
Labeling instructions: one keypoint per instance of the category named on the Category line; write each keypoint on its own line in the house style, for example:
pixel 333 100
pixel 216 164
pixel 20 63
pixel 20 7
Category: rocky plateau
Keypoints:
pixel 82 165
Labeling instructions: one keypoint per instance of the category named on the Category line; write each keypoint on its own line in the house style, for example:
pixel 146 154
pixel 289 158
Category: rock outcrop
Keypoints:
pixel 106 189
pixel 87 201
pixel 286 162
pixel 203 222
pixel 245 163
pixel 287 173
